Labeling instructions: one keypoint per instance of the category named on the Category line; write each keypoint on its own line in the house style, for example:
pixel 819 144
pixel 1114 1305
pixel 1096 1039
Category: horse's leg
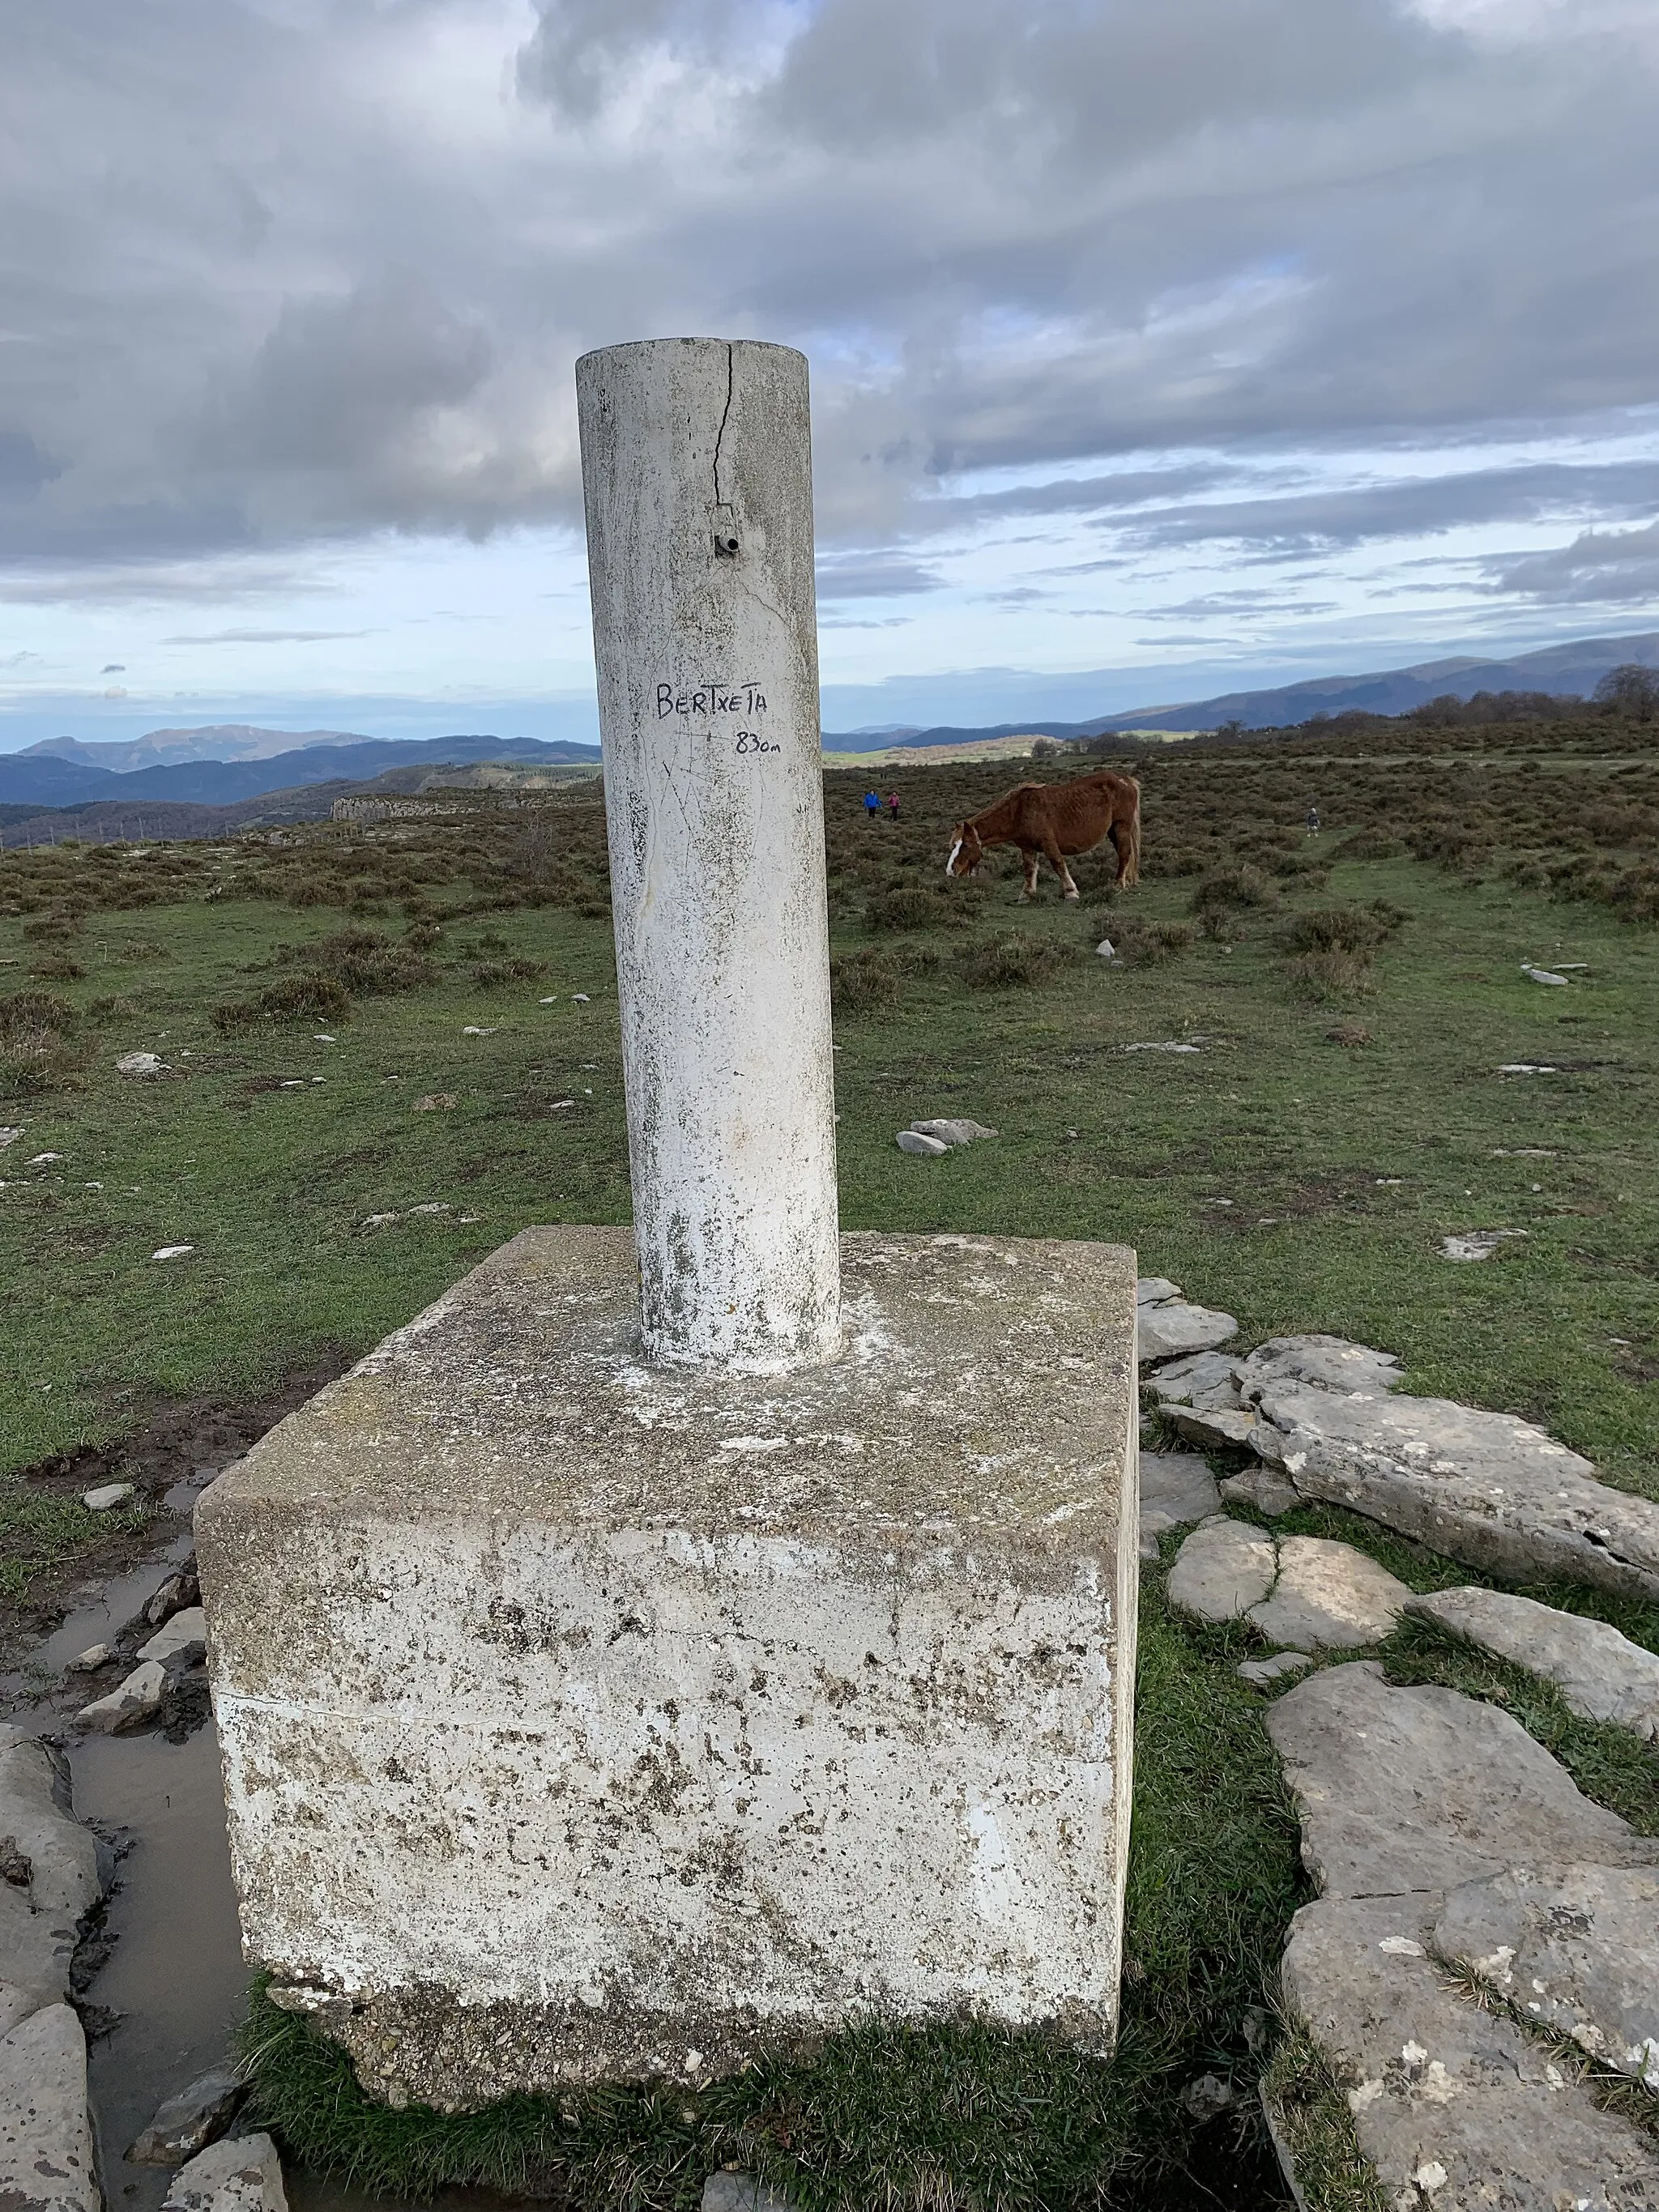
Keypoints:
pixel 1057 862
pixel 1029 859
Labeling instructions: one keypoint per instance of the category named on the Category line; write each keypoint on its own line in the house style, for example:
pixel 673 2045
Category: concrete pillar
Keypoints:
pixel 696 465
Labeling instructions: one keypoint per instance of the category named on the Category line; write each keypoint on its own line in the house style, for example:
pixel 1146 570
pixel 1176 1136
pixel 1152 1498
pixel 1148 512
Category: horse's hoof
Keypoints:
pixel 1074 895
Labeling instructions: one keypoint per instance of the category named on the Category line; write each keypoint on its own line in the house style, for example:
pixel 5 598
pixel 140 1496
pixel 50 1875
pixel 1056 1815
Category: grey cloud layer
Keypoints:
pixel 282 270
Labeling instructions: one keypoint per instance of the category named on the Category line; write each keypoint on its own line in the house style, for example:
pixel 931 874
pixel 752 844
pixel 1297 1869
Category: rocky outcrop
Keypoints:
pixel 1600 1675
pixel 1407 1797
pixel 244 2175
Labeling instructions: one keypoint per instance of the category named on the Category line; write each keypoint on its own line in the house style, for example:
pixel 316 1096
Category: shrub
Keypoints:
pixel 35 1033
pixel 309 996
pixel 860 982
pixel 492 972
pixel 1325 977
pixel 1146 942
pixel 1351 929
pixel 364 964
pixel 1218 896
pixel 1014 957
pixel 912 906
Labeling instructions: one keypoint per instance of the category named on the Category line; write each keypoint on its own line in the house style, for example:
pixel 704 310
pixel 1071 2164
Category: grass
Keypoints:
pixel 941 2121
pixel 359 1024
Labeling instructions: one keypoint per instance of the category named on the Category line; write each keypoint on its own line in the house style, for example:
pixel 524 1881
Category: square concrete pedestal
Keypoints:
pixel 583 1721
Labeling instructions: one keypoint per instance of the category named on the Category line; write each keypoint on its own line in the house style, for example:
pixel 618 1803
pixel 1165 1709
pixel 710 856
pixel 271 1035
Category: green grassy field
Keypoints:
pixel 361 1025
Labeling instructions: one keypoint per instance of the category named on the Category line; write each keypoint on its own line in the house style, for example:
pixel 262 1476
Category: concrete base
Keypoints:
pixel 584 1721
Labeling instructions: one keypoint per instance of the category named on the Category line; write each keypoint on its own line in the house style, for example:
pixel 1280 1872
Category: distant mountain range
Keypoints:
pixel 44 775
pixel 228 763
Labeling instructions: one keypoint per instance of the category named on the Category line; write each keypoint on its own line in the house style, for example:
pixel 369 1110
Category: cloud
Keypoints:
pixel 113 668
pixel 1598 568
pixel 264 636
pixel 872 576
pixel 314 272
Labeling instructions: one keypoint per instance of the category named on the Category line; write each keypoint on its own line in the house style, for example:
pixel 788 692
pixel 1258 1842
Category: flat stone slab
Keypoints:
pixel 587 1721
pixel 1223 1568
pixel 952 1131
pixel 1175 1488
pixel 1213 1424
pixel 1601 1674
pixel 1172 1326
pixel 1485 1488
pixel 1326 1362
pixel 1577 1948
pixel 1198 1379
pixel 738 2192
pixel 1328 1597
pixel 133 1700
pixel 46 2139
pixel 40 1916
pixel 1405 1797
pixel 1261 1487
pixel 187 2123
pixel 1262 1672
pixel 182 1638
pixel 244 2175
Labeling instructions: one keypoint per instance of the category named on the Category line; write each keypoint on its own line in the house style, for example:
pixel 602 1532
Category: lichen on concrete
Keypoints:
pixel 585 1720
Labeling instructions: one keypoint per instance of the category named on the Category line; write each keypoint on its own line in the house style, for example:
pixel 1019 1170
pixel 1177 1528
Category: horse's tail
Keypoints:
pixel 1130 854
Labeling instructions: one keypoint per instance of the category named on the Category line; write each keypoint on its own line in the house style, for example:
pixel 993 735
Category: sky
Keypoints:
pixel 1158 347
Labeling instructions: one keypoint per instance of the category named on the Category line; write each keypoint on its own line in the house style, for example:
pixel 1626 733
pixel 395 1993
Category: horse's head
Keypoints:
pixel 966 851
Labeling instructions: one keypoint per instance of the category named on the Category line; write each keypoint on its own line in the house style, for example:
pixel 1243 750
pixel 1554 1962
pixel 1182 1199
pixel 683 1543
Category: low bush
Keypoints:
pixel 310 996
pixel 1147 942
pixel 861 981
pixel 36 1040
pixel 1351 929
pixel 912 906
pixel 1220 896
pixel 492 972
pixel 1330 977
pixel 1014 957
pixel 364 964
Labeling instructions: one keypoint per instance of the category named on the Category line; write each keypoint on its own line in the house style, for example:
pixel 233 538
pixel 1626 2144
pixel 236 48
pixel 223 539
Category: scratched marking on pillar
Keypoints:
pixel 708 699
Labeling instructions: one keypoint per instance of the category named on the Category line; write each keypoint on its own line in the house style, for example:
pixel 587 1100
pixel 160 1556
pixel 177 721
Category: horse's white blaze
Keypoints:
pixel 950 865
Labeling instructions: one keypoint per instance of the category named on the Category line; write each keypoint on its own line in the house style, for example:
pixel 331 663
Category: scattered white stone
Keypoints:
pixel 430 1206
pixel 1223 1568
pixel 471 1029
pixel 43 1160
pixel 89 1661
pixel 1169 1045
pixel 322 1037
pixel 1259 1486
pixel 953 1132
pixel 182 1639
pixel 134 1699
pixel 1328 1597
pixel 580 999
pixel 1403 1796
pixel 923 1148
pixel 1175 1488
pixel 1259 1672
pixel 1576 1948
pixel 198 2116
pixel 1477 1243
pixel 1486 1488
pixel 548 1002
pixel 243 2175
pixel 106 1497
pixel 1527 1067
pixel 1601 1674
pixel 9 1137
pixel 1171 1326
pixel 141 1063
pixel 1329 1363
pixel 1543 975
pixel 45 2136
pixel 172 1252
pixel 1106 949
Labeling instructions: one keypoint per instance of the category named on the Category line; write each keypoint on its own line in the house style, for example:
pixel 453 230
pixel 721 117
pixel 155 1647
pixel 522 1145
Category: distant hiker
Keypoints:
pixel 1313 821
pixel 892 806
pixel 871 807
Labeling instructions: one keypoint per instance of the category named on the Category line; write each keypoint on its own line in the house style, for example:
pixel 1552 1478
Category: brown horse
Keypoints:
pixel 1056 819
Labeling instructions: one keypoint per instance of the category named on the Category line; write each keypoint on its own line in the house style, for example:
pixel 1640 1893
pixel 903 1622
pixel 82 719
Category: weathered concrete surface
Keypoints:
pixel 1575 1948
pixel 40 1918
pixel 1601 1674
pixel 696 467
pixel 1223 1567
pixel 1404 1796
pixel 586 1720
pixel 244 2175
pixel 1485 1488
pixel 1328 1597
pixel 46 2141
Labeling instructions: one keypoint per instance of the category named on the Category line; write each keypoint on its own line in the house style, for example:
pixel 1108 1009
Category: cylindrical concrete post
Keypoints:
pixel 696 465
